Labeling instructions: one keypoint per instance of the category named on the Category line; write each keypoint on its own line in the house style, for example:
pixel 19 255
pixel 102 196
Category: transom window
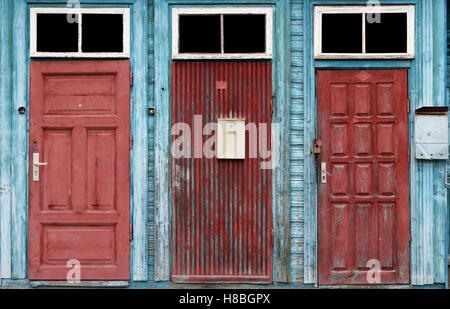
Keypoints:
pixel 80 32
pixel 377 32
pixel 222 33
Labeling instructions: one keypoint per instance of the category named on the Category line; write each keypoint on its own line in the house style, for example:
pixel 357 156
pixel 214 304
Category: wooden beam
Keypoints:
pixel 162 139
pixel 139 158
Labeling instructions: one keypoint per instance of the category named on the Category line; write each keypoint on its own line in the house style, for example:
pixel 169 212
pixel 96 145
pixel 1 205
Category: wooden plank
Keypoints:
pixel 296 155
pixel 310 179
pixel 19 147
pixel 139 161
pixel 280 180
pixel 439 95
pixel 5 139
pixel 162 138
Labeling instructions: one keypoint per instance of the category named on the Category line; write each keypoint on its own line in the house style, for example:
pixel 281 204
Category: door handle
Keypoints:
pixel 36 165
pixel 324 173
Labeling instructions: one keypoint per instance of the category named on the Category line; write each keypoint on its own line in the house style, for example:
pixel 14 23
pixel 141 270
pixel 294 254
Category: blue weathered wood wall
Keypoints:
pixel 296 146
pixel 295 208
pixel 151 145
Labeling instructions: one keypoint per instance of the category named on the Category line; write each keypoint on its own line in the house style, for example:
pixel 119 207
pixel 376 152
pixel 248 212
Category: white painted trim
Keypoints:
pixel 267 11
pixel 126 32
pixel 408 9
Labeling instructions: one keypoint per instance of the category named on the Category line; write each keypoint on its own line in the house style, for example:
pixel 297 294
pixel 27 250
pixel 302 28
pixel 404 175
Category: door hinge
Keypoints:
pixel 271 238
pixel 131 232
pixel 271 105
pixel 408 108
pixel 409 237
pixel 131 78
pixel 131 141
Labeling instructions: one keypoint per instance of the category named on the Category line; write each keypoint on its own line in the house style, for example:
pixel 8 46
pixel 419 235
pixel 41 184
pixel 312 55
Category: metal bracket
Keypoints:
pixel 317 147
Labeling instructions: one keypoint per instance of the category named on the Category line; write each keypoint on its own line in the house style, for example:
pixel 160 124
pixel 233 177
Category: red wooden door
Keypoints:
pixel 222 212
pixel 79 208
pixel 364 204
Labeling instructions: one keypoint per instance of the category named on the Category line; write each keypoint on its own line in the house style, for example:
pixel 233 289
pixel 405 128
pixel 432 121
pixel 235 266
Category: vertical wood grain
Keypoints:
pixel 5 138
pixel 139 161
pixel 19 148
pixel 310 178
pixel 439 96
pixel 281 205
pixel 162 139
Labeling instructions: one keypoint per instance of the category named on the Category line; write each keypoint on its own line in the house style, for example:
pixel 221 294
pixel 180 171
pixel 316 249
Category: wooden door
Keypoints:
pixel 79 207
pixel 222 210
pixel 364 202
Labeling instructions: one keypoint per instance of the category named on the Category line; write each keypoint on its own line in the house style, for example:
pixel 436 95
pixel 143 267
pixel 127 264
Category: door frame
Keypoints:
pixel 280 91
pixel 14 256
pixel 420 93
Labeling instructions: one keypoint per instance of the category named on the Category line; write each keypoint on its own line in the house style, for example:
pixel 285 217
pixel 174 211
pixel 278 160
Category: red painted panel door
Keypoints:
pixel 364 204
pixel 222 211
pixel 79 208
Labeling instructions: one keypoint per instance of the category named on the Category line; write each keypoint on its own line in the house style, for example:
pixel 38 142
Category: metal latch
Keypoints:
pixel 317 147
pixel 36 165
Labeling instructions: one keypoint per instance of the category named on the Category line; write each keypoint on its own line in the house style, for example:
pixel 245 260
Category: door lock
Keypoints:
pixel 36 165
pixel 317 147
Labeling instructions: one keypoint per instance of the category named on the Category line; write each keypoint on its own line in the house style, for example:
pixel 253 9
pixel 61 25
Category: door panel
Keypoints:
pixel 364 204
pixel 222 212
pixel 79 208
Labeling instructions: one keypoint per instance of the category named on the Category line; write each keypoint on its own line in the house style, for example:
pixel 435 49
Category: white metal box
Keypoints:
pixel 431 133
pixel 230 138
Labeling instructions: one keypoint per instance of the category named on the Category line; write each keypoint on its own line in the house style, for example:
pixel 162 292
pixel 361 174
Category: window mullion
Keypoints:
pixel 222 48
pixel 364 16
pixel 80 32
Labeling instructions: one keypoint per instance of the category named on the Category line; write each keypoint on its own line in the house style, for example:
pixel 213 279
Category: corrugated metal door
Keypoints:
pixel 80 206
pixel 222 215
pixel 364 200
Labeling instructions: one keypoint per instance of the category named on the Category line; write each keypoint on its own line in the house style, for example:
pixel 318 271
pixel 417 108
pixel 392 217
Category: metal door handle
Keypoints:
pixel 324 173
pixel 36 165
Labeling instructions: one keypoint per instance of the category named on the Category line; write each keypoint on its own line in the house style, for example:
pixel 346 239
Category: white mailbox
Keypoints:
pixel 431 133
pixel 230 138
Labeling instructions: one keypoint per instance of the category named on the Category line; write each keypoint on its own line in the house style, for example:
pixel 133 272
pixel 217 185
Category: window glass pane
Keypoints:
pixel 102 33
pixel 342 33
pixel 388 36
pixel 199 34
pixel 244 33
pixel 56 34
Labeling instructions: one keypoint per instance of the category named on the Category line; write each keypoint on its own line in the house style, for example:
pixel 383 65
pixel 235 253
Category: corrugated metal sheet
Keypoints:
pixel 222 215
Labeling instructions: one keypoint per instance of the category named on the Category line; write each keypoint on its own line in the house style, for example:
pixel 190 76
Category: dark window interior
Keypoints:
pixel 342 33
pixel 56 34
pixel 388 36
pixel 244 33
pixel 199 34
pixel 102 33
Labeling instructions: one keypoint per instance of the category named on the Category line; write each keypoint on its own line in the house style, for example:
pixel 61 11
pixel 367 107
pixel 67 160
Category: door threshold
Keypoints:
pixel 105 284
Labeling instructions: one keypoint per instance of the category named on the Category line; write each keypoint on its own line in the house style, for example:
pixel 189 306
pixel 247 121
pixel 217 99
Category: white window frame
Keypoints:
pixel 408 9
pixel 126 32
pixel 267 11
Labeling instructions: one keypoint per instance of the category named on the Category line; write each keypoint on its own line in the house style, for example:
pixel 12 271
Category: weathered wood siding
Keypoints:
pixel 296 166
pixel 151 146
